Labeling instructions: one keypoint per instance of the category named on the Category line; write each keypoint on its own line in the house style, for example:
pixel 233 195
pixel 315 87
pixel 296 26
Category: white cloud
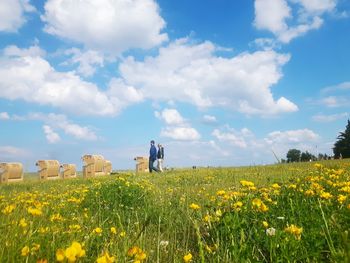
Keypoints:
pixel 335 101
pixel 9 152
pixel 335 96
pixel 55 121
pixel 4 116
pixel 59 121
pixel 106 25
pixel 177 127
pixel 291 137
pixel 317 6
pixel 180 133
pixel 12 14
pixel 26 76
pixel 293 32
pixel 192 73
pixel 170 117
pixel 276 16
pixel 344 86
pixel 51 136
pixel 271 15
pixel 330 118
pixel 87 60
pixel 230 137
pixel 241 138
pixel 33 51
pixel 209 119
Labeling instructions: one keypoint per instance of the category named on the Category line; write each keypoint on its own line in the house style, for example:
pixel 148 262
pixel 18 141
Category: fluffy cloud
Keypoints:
pixel 330 118
pixel 54 122
pixel 12 14
pixel 229 135
pixel 291 137
pixel 107 25
pixel 4 116
pixel 178 128
pixel 209 119
pixel 273 15
pixel 59 121
pixel 334 96
pixel 192 73
pixel 170 117
pixel 25 75
pixel 263 149
pixel 51 136
pixel 10 152
pixel 180 133
pixel 87 61
pixel 14 51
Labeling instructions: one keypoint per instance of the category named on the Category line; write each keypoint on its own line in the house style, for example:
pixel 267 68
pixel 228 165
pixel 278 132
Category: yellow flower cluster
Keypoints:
pixel 194 206
pixel 72 253
pixel 294 230
pixel 259 205
pixel 106 258
pixel 137 254
pixel 187 258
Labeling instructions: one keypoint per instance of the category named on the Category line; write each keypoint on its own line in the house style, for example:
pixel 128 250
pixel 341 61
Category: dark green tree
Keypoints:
pixel 342 145
pixel 293 155
pixel 306 156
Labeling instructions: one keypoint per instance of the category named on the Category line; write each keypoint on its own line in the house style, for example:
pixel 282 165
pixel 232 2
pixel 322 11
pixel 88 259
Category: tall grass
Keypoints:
pixel 277 213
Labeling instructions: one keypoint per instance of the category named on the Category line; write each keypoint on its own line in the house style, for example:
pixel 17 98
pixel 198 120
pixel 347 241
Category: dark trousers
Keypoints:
pixel 151 167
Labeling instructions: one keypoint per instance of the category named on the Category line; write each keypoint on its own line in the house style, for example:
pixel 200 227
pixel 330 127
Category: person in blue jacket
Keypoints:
pixel 152 157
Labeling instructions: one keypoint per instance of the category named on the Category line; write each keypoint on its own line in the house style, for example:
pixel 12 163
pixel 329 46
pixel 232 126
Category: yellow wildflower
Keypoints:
pixel 79 251
pixel 56 217
pixel 71 254
pixel 207 218
pixel 247 183
pixel 265 224
pixel 237 206
pixel 194 206
pixel 122 234
pixel 220 192
pixel 326 195
pixel 60 255
pixel 294 230
pixel 113 230
pixel 132 251
pixel 23 222
pixel 25 251
pixel 8 209
pixel 34 211
pixel 309 192
pixel 35 247
pixel 318 165
pixel 276 186
pixel 97 230
pixel 187 258
pixel 106 258
pixel 341 198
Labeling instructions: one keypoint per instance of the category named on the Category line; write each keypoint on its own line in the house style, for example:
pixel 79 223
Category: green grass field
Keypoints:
pixel 278 213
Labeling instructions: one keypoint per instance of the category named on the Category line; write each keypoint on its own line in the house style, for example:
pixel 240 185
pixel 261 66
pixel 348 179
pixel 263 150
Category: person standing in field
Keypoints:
pixel 152 158
pixel 160 157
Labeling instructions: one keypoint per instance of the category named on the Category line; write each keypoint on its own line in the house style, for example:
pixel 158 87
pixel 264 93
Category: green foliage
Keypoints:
pixel 216 214
pixel 342 145
pixel 293 155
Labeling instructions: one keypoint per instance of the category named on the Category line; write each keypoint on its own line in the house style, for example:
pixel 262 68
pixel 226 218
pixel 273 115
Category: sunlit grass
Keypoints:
pixel 277 213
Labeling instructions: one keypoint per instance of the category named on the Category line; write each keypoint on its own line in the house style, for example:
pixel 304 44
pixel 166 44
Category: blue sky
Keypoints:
pixel 219 83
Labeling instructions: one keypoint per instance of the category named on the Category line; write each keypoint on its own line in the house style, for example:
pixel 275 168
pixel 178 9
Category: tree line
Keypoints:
pixel 341 150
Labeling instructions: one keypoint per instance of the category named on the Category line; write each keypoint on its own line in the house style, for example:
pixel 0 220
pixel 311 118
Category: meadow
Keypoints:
pixel 279 213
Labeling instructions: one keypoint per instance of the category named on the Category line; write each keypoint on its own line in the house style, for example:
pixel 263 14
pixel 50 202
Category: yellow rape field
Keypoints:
pixel 277 213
